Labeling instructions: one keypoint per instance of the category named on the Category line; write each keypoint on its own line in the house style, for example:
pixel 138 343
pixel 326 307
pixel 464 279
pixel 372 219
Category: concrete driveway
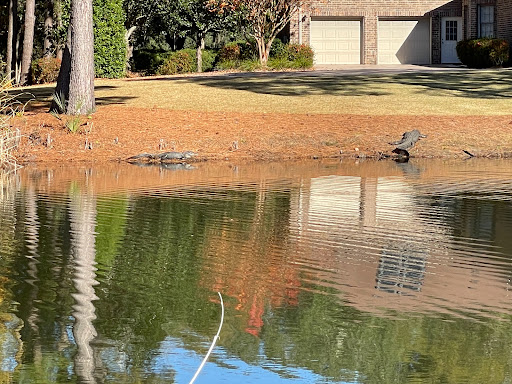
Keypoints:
pixel 393 68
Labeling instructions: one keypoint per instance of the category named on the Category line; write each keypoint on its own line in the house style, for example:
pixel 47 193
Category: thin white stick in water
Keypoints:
pixel 213 343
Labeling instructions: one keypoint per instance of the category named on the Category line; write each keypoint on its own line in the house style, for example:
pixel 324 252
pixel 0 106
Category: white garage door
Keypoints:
pixel 404 41
pixel 336 41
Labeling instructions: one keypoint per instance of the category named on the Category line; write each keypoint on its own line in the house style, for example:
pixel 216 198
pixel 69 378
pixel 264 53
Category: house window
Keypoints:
pixel 486 21
pixel 451 30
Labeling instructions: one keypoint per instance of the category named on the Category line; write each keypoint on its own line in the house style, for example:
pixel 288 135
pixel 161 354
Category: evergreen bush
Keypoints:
pixel 184 61
pixel 148 61
pixel 483 53
pixel 301 55
pixel 109 39
pixel 244 56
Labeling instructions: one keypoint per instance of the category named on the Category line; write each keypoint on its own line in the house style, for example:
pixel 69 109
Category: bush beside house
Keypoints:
pixel 244 56
pixel 484 52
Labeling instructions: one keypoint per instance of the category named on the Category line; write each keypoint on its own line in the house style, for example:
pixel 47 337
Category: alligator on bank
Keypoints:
pixel 408 140
pixel 164 156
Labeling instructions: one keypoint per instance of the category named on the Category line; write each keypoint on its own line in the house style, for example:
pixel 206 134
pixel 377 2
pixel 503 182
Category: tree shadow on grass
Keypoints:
pixel 38 99
pixel 493 84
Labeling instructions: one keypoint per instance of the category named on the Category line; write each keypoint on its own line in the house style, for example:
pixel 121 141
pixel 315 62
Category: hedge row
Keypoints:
pixel 185 61
pixel 244 56
pixel 240 55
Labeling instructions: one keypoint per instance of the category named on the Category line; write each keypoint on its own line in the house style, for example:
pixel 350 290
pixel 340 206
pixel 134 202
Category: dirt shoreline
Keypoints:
pixel 115 133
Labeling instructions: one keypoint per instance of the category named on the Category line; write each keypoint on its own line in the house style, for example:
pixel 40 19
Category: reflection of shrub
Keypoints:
pixel 185 61
pixel 483 53
pixel 45 70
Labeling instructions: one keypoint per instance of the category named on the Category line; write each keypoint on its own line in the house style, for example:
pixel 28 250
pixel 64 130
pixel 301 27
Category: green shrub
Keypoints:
pixel 109 40
pixel 185 61
pixel 238 50
pixel 249 50
pixel 45 70
pixel 224 65
pixel 148 61
pixel 209 60
pixel 249 65
pixel 301 55
pixel 279 50
pixel 230 52
pixel 483 53
pixel 244 56
pixel 178 62
pixel 279 63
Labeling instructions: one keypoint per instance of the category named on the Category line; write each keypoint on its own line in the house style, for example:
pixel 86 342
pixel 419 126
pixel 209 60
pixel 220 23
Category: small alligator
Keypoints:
pixel 408 140
pixel 163 156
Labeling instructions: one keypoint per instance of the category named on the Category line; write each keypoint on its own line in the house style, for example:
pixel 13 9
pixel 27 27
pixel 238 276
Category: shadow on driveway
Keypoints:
pixel 492 84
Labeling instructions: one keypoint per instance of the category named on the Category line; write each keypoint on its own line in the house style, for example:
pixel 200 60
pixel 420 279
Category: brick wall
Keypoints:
pixel 470 16
pixel 369 12
pixel 503 18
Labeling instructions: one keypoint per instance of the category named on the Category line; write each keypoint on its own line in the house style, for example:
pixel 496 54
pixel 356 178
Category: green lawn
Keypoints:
pixel 484 92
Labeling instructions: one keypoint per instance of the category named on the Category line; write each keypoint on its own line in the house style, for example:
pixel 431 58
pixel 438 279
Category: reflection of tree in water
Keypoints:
pixel 401 269
pixel 252 269
pixel 82 210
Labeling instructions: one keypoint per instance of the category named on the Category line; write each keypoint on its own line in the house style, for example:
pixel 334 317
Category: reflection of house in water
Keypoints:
pixel 350 211
pixel 390 242
pixel 401 270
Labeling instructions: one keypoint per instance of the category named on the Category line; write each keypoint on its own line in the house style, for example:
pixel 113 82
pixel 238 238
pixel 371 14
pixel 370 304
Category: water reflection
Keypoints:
pixel 82 212
pixel 361 272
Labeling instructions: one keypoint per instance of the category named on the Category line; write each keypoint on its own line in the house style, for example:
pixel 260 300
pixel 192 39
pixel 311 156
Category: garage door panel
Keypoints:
pixel 404 41
pixel 336 41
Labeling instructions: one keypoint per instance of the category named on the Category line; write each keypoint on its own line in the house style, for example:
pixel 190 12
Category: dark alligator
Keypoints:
pixel 408 140
pixel 162 156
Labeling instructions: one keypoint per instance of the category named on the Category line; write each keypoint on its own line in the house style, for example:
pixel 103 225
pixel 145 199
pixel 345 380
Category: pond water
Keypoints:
pixel 369 272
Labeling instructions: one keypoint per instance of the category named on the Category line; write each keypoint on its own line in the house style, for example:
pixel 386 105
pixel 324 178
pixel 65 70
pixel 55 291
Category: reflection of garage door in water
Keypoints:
pixel 404 41
pixel 336 41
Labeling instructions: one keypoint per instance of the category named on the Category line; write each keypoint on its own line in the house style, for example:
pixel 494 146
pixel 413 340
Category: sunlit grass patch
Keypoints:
pixel 482 92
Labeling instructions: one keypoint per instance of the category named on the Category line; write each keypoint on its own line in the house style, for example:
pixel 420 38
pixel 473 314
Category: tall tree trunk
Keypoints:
pixel 17 62
pixel 48 29
pixel 28 40
pixel 129 46
pixel 11 30
pixel 62 87
pixel 81 79
pixel 57 11
pixel 262 51
pixel 199 55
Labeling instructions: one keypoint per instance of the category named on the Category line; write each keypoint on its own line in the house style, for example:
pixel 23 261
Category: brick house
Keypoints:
pixel 492 18
pixel 397 31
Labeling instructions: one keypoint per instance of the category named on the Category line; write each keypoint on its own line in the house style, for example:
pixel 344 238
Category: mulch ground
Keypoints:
pixel 115 133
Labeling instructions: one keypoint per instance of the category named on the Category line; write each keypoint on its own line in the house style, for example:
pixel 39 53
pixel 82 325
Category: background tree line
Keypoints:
pixel 84 39
pixel 35 33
